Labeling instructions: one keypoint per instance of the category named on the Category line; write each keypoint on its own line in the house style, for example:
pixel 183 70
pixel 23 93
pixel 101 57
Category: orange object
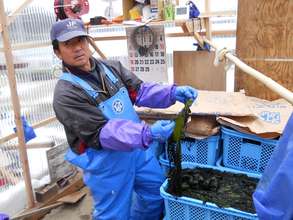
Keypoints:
pixel 118 19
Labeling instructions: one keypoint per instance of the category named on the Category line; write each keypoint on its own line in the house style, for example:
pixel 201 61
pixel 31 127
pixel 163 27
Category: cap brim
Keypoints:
pixel 70 35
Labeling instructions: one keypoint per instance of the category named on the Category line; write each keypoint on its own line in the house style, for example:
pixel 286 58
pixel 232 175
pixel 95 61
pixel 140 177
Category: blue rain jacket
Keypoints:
pixel 273 196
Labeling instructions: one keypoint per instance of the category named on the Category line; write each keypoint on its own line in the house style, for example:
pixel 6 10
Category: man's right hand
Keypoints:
pixel 162 130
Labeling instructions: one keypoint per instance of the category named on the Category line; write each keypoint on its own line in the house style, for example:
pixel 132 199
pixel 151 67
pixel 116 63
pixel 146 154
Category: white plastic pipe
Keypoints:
pixel 271 84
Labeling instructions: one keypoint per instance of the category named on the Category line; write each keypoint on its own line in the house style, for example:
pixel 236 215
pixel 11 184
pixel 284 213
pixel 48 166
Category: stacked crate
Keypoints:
pixel 204 151
pixel 232 151
pixel 246 152
pixel 189 208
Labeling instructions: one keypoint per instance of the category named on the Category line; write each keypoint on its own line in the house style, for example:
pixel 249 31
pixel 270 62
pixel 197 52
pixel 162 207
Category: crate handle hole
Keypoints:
pixel 245 140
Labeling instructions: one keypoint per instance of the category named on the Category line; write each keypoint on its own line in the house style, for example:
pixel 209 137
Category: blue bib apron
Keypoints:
pixel 113 175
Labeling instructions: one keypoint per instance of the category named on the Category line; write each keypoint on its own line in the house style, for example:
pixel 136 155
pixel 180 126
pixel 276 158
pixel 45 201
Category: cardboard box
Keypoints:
pixel 204 110
pixel 195 68
pixel 207 103
pixel 272 117
pixel 58 166
pixel 128 4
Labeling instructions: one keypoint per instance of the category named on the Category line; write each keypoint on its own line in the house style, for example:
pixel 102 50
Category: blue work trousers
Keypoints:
pixel 126 186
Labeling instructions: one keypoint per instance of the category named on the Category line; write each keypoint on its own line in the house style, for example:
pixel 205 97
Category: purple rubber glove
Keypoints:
pixel 154 95
pixel 162 130
pixel 184 93
pixel 125 135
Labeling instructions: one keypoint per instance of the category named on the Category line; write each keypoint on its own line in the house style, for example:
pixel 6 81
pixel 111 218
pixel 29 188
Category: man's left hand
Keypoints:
pixel 184 93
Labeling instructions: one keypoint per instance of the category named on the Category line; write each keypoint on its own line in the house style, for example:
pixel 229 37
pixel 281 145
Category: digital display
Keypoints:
pixel 181 11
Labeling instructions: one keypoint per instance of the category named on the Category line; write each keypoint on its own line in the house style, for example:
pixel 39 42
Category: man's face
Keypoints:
pixel 75 52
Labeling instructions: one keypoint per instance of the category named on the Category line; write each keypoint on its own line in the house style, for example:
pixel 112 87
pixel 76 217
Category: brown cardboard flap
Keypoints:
pixel 221 103
pixel 201 127
pixel 207 103
pixel 159 113
pixel 271 120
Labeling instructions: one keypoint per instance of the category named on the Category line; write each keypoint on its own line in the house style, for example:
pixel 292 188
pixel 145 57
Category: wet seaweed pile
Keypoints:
pixel 175 182
pixel 222 188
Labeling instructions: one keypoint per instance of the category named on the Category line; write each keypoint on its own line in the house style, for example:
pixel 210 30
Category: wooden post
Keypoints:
pixel 13 14
pixel 207 22
pixel 16 105
pixel 96 48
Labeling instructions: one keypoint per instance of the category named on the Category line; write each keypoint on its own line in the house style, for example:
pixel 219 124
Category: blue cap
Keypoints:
pixel 67 29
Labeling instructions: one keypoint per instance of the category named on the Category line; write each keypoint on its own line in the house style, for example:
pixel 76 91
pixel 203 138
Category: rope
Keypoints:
pixel 220 56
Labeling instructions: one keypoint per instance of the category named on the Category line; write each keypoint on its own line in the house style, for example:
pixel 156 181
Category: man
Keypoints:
pixel 94 101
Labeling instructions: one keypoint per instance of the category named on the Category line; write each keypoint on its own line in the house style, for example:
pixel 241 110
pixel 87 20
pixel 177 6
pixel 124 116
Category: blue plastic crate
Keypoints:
pixel 246 152
pixel 165 164
pixel 185 208
pixel 205 151
pixel 219 164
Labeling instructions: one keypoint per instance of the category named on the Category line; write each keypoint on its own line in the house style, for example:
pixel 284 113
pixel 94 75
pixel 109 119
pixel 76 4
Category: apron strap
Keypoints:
pixel 80 82
pixel 109 73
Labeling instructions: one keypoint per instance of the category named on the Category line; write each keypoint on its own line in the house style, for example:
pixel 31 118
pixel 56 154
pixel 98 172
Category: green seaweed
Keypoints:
pixel 174 148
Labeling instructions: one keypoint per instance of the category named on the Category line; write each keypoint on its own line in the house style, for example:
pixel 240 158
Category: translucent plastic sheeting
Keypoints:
pixel 35 86
pixel 10 167
pixel 30 25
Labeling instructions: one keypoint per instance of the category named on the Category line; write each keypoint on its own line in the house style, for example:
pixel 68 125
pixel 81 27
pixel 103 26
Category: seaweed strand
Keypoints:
pixel 174 150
